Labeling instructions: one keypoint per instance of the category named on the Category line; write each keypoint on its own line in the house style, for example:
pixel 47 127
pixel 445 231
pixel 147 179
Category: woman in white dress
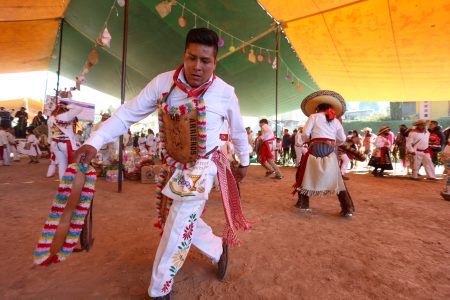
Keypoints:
pixel 33 150
pixel 299 149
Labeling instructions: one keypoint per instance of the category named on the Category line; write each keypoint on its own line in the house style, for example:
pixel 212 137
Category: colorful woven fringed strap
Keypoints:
pixel 42 254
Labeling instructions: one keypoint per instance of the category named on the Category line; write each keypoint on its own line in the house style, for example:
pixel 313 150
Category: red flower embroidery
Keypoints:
pixel 166 286
pixel 188 231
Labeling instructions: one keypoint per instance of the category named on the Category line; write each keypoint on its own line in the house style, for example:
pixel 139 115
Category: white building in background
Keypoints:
pixel 425 110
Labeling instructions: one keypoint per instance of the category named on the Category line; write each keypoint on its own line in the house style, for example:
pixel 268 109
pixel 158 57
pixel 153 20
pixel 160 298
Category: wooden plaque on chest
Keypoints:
pixel 181 136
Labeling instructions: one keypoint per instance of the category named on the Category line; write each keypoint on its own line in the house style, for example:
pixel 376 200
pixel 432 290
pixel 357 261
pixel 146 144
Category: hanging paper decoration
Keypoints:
pixel 251 56
pixel 243 50
pixel 221 42
pixel 182 20
pixel 165 7
pixel 299 88
pixel 81 79
pixel 260 56
pixel 287 77
pixel 105 39
pixel 93 57
pixel 293 82
pixel 232 47
pixel 269 60
pixel 121 3
pixel 274 64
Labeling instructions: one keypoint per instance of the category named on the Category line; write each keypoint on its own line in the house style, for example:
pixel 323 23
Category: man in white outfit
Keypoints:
pixel 12 144
pixel 4 149
pixel 193 104
pixel 299 148
pixel 62 136
pixel 418 147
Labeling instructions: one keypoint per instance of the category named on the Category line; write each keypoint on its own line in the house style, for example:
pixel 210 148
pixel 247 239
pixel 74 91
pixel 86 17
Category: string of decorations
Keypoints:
pixel 103 40
pixel 256 54
pixel 291 77
pixel 164 8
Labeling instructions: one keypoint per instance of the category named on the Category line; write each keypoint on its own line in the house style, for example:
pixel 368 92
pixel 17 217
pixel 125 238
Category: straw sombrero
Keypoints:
pixel 366 129
pixel 384 129
pixel 310 103
pixel 420 123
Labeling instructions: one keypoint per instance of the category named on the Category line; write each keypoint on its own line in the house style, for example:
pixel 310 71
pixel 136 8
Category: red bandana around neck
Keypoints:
pixel 194 92
pixel 330 113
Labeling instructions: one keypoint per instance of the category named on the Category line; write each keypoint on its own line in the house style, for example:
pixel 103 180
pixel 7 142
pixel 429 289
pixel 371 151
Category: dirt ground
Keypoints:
pixel 397 246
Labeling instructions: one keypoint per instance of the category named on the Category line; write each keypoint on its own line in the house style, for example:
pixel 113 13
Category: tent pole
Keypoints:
pixel 277 51
pixel 61 31
pixel 122 97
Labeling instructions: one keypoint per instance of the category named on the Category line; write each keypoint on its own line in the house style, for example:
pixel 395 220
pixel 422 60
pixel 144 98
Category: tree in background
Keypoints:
pixel 396 110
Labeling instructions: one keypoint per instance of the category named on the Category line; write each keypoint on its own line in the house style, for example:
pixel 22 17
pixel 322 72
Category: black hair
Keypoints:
pixel 264 121
pixel 202 36
pixel 435 123
pixel 323 107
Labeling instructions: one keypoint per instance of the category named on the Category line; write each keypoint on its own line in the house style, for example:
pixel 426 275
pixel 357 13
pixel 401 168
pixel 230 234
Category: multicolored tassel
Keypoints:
pixel 42 252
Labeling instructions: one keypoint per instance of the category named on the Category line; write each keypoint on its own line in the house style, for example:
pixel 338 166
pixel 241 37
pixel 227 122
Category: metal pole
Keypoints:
pixel 61 30
pixel 277 48
pixel 122 98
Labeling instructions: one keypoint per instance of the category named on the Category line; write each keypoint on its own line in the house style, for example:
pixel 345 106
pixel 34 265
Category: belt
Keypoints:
pixel 326 141
pixel 60 140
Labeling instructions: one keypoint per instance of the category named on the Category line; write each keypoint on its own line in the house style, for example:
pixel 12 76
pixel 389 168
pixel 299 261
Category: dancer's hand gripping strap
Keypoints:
pixel 67 215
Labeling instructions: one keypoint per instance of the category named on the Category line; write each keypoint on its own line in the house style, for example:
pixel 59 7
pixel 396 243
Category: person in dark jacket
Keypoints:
pixel 437 140
pixel 293 154
pixel 286 144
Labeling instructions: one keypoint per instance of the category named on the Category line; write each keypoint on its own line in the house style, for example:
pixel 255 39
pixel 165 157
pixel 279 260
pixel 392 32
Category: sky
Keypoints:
pixel 37 85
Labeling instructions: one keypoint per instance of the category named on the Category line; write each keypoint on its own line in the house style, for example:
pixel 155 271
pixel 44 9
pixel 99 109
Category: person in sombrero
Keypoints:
pixel 417 146
pixel 381 159
pixel 319 173
pixel 368 141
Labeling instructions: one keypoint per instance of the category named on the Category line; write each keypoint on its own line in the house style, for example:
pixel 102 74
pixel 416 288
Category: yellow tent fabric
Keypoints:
pixel 28 31
pixel 372 50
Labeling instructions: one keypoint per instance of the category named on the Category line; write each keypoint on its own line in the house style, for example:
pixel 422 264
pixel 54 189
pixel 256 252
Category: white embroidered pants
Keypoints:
pixel 344 165
pixel 183 227
pixel 60 151
pixel 298 155
pixel 5 156
pixel 15 153
pixel 424 159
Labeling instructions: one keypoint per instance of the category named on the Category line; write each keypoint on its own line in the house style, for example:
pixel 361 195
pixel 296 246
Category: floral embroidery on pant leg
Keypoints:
pixel 183 249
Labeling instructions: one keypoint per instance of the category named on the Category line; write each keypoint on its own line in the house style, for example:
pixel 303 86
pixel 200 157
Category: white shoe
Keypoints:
pixel 51 170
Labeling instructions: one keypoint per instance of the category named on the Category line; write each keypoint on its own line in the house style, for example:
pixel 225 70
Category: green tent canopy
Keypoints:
pixel 156 45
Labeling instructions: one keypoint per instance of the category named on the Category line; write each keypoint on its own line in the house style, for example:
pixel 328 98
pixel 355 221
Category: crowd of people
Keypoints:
pixel 57 136
pixel 413 147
